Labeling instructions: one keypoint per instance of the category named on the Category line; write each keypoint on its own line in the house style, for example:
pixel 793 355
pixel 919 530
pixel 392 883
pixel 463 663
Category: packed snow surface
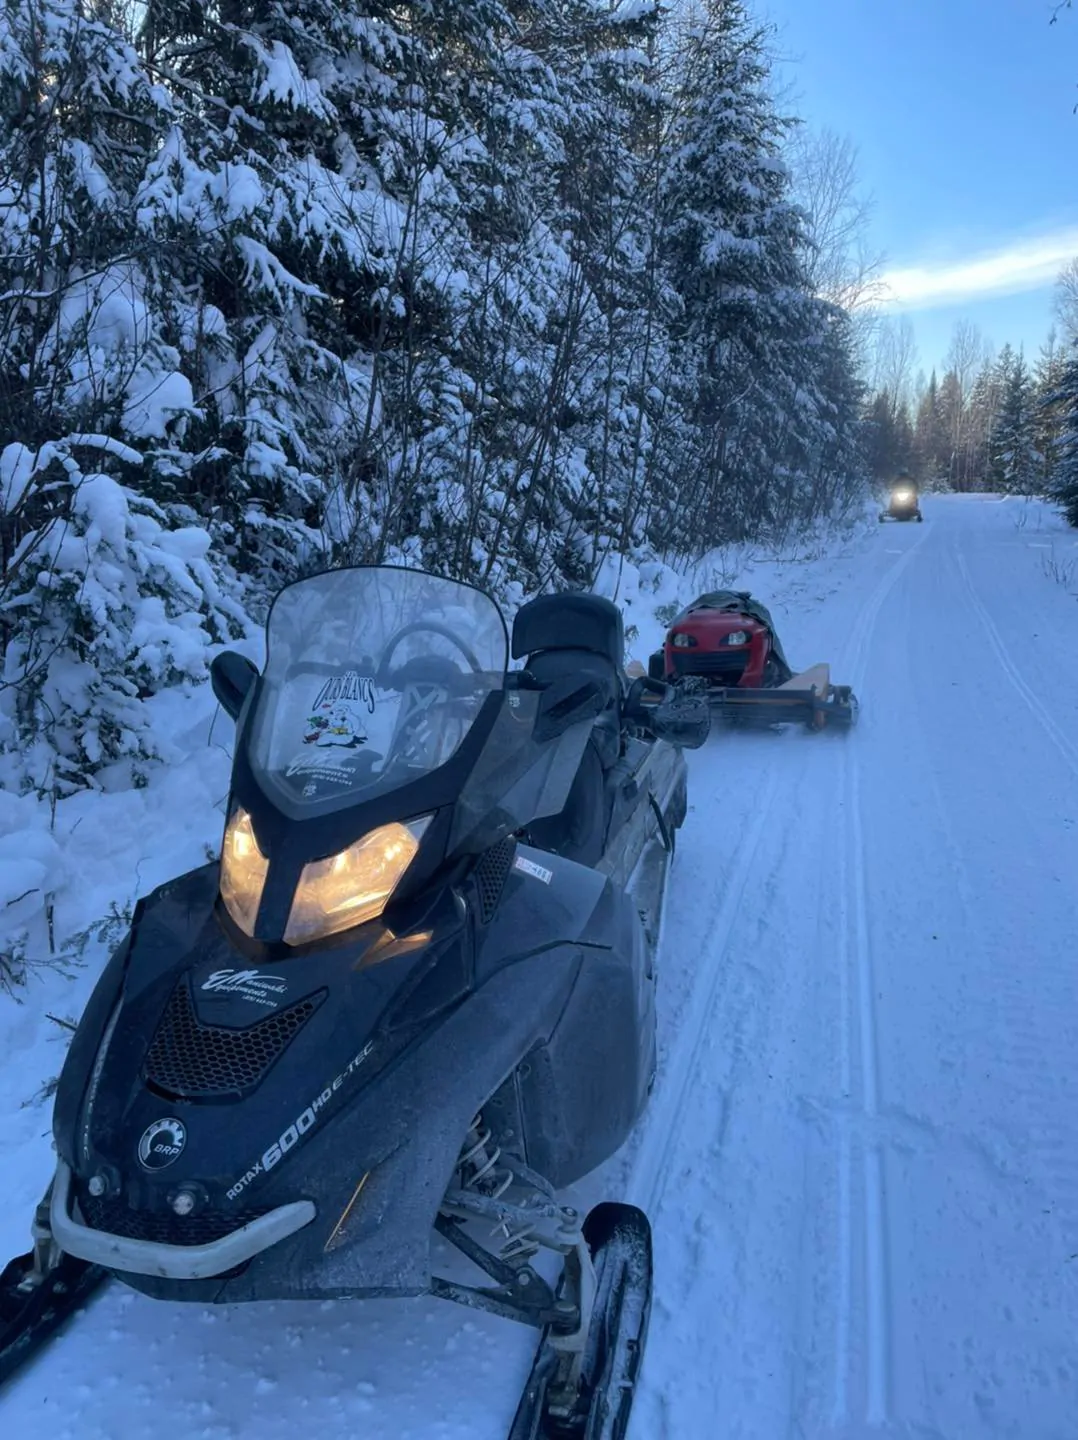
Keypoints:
pixel 860 1160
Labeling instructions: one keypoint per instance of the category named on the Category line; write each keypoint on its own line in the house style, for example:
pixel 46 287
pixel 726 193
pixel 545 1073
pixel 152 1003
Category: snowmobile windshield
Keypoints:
pixel 373 679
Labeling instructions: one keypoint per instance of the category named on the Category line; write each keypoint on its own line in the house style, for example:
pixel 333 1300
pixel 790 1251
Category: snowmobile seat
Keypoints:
pixel 578 621
pixel 577 634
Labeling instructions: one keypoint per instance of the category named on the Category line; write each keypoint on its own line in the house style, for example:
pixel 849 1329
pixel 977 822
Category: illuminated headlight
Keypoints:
pixel 903 497
pixel 737 637
pixel 243 871
pixel 683 641
pixel 354 885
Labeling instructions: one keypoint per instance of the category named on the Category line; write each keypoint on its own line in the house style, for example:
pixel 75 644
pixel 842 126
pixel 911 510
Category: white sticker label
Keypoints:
pixel 340 711
pixel 529 867
pixel 248 985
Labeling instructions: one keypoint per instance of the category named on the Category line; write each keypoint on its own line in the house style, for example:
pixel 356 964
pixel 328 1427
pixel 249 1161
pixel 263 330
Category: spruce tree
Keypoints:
pixel 1014 463
pixel 952 411
pixel 106 594
pixel 751 336
pixel 931 446
pixel 983 408
pixel 888 439
pixel 1064 487
pixel 1048 413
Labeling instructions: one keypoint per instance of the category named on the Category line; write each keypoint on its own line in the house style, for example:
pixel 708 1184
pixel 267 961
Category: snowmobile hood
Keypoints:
pixel 196 1030
pixel 239 1091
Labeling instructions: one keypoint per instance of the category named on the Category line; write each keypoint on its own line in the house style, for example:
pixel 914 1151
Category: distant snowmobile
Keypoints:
pixel 903 503
pixel 724 646
pixel 415 995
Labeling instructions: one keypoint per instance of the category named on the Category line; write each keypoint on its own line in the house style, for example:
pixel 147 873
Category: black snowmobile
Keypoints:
pixel 903 502
pixel 416 994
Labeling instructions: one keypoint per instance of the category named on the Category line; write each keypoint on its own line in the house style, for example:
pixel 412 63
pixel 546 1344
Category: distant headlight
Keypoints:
pixel 243 871
pixel 737 637
pixel 354 885
pixel 683 641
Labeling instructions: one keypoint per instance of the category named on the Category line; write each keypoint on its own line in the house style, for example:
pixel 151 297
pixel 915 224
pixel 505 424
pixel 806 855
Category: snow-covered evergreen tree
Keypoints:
pixel 1049 414
pixel 981 412
pixel 931 443
pixel 1064 482
pixel 104 599
pixel 888 439
pixel 490 287
pixel 1015 465
pixel 755 347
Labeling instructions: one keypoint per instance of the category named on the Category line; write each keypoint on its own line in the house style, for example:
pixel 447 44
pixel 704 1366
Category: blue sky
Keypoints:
pixel 963 114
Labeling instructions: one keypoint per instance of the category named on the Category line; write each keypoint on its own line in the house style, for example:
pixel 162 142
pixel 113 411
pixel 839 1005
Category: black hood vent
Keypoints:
pixel 192 1061
pixel 491 873
pixel 163 1228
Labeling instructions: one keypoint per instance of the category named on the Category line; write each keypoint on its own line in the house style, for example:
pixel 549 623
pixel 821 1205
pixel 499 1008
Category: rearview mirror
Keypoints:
pixel 232 675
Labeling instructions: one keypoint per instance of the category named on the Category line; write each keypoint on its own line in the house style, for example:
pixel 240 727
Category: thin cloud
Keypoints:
pixel 1022 265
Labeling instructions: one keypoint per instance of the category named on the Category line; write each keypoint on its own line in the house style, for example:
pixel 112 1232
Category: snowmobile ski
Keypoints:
pixel 586 1391
pixel 36 1300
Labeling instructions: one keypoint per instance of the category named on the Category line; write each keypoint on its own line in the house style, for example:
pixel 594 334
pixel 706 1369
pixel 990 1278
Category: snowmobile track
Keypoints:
pixel 858 651
pixel 655 1161
pixel 856 978
pixel 1065 747
pixel 652 1166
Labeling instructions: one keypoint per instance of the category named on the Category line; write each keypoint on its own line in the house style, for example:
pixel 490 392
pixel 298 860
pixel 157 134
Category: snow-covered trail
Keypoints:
pixel 859 1159
pixel 868 1219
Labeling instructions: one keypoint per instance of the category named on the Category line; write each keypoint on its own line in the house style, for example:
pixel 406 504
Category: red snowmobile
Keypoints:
pixel 725 641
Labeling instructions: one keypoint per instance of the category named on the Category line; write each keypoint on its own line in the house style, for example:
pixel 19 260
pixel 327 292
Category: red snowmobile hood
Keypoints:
pixel 713 625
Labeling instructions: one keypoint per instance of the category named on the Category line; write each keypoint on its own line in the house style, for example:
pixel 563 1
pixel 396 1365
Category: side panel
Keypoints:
pixel 577 1094
pixel 634 824
pixel 582 1092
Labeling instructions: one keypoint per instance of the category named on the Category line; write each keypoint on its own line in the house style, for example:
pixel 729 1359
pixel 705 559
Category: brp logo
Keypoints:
pixel 161 1143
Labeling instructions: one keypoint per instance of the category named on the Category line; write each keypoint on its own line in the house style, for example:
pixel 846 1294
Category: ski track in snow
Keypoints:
pixel 1066 748
pixel 859 1159
pixel 902 1265
pixel 665 1125
pixel 855 962
pixel 856 959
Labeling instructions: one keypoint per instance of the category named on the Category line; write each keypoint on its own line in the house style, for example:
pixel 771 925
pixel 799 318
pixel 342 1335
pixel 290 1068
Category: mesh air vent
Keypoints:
pixel 191 1060
pixel 164 1228
pixel 490 876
